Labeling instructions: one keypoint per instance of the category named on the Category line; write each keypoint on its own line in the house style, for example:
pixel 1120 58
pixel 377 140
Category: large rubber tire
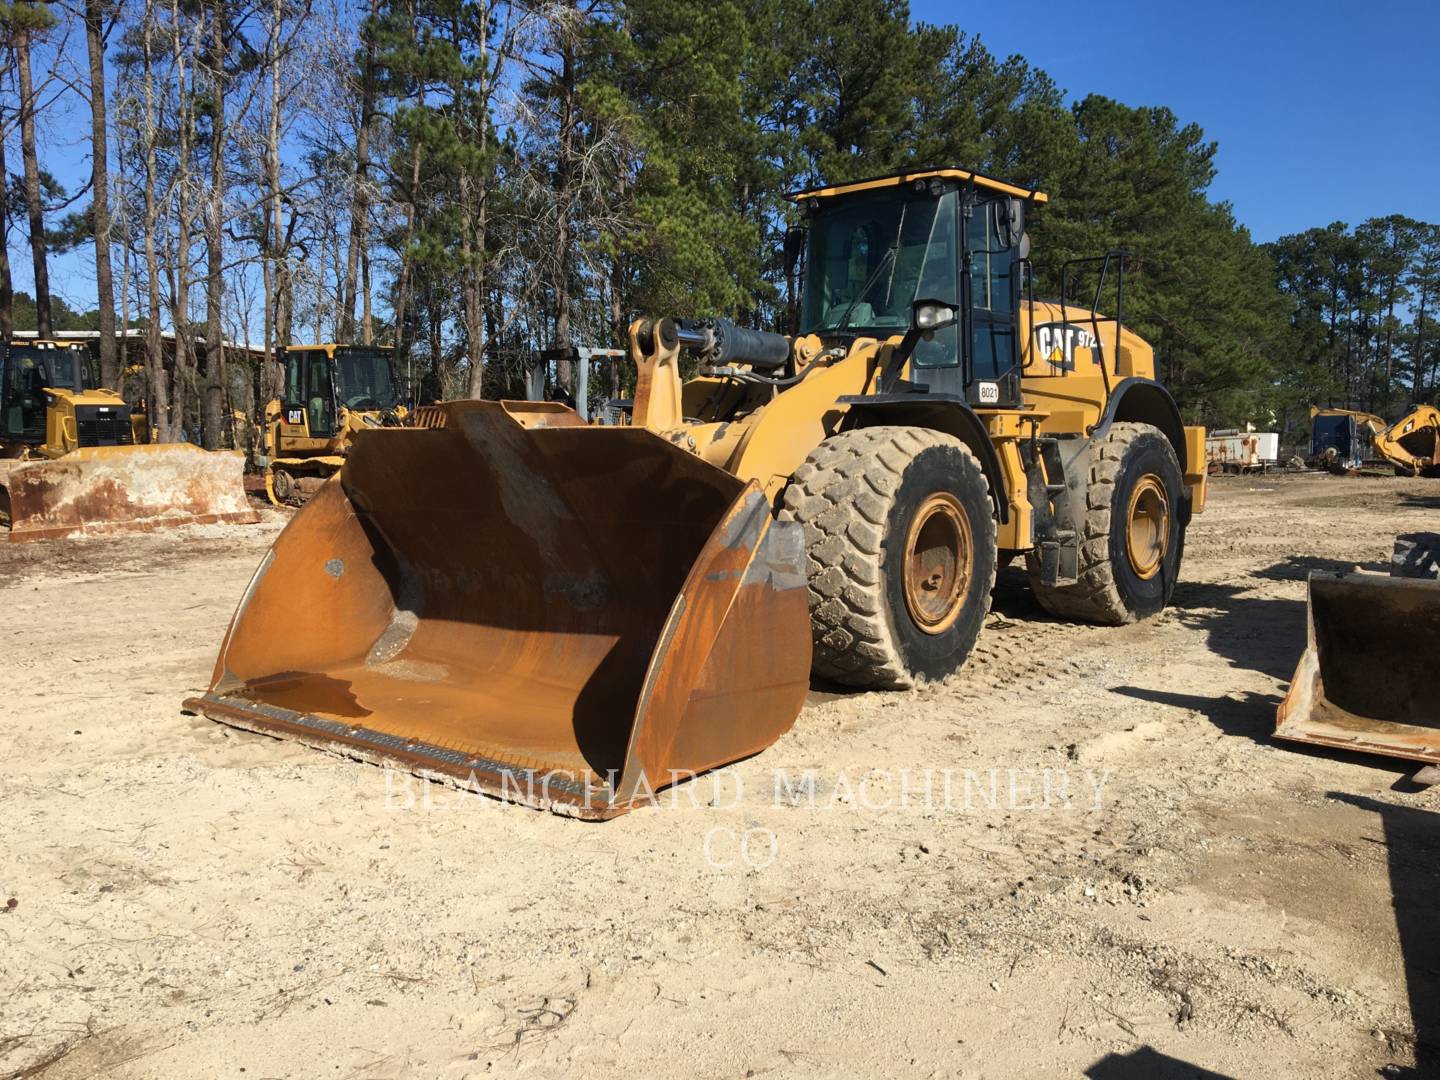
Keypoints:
pixel 1109 590
pixel 858 495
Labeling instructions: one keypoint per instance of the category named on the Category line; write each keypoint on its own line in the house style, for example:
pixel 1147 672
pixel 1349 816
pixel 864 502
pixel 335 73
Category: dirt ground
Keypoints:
pixel 178 899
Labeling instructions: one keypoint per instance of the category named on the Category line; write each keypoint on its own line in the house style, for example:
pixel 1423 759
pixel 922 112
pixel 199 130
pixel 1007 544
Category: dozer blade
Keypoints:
pixel 1371 668
pixel 566 616
pixel 107 489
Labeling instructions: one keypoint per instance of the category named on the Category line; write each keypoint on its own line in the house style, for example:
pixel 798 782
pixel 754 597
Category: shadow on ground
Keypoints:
pixel 1147 1063
pixel 1300 567
pixel 1412 844
pixel 1248 716
pixel 1257 633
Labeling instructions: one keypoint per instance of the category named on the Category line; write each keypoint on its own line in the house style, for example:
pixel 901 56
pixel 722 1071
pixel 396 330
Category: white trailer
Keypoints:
pixel 1242 451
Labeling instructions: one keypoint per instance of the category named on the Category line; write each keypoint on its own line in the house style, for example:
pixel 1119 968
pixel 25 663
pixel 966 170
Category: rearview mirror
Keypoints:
pixel 1009 221
pixel 928 316
pixel 794 247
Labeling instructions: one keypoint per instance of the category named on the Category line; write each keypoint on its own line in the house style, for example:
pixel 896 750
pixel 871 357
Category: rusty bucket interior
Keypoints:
pixel 563 615
pixel 1368 678
pixel 108 489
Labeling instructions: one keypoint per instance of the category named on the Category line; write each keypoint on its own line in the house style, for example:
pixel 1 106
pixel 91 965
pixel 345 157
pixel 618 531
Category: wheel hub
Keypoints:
pixel 939 559
pixel 1147 535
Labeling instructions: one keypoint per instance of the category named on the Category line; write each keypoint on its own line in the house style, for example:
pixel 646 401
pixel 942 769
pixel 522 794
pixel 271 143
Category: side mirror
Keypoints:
pixel 1009 221
pixel 795 238
pixel 928 316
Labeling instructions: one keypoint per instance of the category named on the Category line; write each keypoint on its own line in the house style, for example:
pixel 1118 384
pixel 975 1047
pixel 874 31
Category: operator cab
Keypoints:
pixel 875 247
pixel 321 380
pixel 29 372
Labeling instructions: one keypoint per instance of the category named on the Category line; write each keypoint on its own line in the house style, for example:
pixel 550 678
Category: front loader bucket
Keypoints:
pixel 1368 678
pixel 107 489
pixel 562 615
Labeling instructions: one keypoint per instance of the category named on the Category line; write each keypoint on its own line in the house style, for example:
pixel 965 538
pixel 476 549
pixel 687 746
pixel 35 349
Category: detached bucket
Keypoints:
pixel 562 615
pixel 110 489
pixel 1368 678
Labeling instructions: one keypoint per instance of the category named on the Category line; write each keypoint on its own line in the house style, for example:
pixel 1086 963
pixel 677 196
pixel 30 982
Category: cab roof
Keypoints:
pixel 331 346
pixel 980 180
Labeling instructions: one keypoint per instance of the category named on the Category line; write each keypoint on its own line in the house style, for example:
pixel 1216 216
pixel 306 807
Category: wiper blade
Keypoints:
pixel 869 284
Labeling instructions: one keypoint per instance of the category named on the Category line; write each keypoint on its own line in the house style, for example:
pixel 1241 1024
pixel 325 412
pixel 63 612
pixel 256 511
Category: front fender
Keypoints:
pixel 939 412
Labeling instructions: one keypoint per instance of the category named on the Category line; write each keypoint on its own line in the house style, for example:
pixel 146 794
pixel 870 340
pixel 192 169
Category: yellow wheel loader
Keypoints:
pixel 73 457
pixel 578 616
pixel 331 392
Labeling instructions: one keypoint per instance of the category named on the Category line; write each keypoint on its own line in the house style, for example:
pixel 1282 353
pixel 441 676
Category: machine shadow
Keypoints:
pixel 1300 567
pixel 1256 633
pixel 1412 844
pixel 1147 1063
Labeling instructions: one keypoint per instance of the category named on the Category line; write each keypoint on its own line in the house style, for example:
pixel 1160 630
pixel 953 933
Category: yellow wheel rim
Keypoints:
pixel 1147 535
pixel 939 559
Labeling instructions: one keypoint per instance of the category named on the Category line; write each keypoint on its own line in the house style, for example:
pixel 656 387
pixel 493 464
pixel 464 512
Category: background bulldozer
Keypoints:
pixel 516 598
pixel 330 393
pixel 73 458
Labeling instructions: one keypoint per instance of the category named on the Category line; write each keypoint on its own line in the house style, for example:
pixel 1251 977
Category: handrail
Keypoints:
pixel 1119 255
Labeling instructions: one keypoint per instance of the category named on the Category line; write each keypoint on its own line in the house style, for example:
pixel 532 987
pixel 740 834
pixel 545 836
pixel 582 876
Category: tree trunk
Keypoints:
pixel 159 392
pixel 360 189
pixel 270 213
pixel 100 192
pixel 7 291
pixel 183 368
pixel 43 323
pixel 564 193
pixel 216 428
pixel 472 284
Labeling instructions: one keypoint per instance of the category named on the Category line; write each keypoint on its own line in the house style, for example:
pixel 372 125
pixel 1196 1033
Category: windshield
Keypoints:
pixel 851 278
pixel 58 367
pixel 363 379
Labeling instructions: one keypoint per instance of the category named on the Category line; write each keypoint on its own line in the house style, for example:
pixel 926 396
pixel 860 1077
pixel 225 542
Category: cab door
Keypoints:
pixel 992 282
pixel 306 407
pixel 22 398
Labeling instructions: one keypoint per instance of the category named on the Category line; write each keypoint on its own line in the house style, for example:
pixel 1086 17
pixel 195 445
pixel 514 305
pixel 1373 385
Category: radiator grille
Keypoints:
pixel 103 425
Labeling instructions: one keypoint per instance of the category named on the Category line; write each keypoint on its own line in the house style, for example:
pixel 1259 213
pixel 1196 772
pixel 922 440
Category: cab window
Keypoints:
pixel 22 397
pixel 295 377
pixel 940 280
pixel 992 292
pixel 317 405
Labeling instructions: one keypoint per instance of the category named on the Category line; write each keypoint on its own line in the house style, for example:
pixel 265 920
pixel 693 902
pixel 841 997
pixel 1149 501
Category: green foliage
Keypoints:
pixel 1196 286
pixel 63 316
pixel 583 162
pixel 1361 305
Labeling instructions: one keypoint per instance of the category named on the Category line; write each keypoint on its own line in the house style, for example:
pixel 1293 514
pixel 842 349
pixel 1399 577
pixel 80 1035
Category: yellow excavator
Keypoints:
pixel 1346 439
pixel 1411 444
pixel 578 616
pixel 73 457
pixel 331 392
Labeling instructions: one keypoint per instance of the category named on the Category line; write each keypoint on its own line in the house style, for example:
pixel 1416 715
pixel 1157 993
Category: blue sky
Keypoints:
pixel 1324 111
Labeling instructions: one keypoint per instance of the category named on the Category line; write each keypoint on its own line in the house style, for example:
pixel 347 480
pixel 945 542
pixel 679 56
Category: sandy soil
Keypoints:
pixel 190 900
